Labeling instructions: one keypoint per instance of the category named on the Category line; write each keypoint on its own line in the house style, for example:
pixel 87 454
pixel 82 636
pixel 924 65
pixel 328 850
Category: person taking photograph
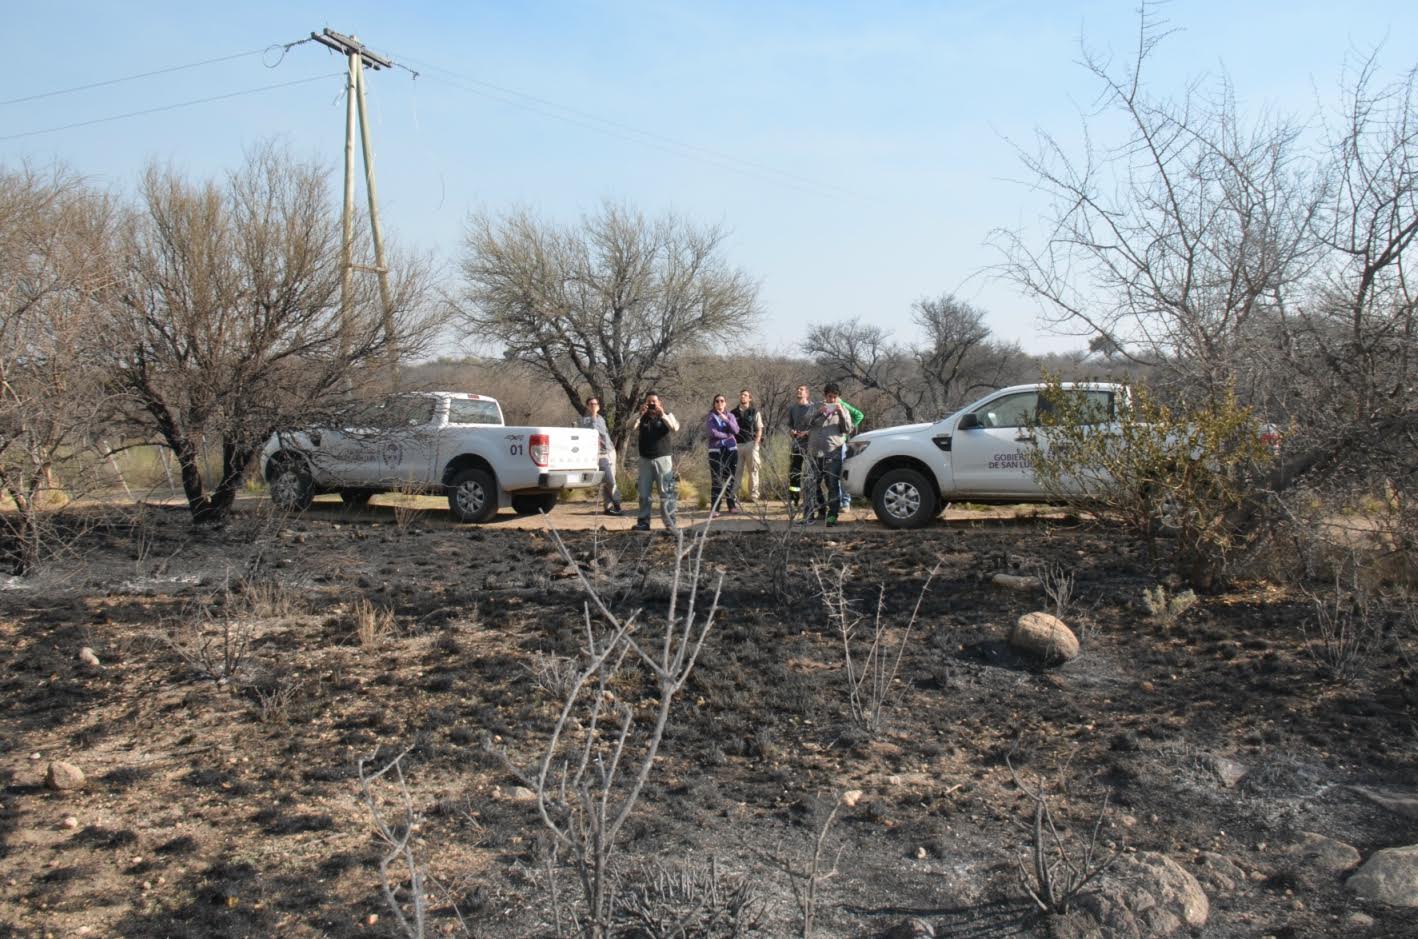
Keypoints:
pixel 652 428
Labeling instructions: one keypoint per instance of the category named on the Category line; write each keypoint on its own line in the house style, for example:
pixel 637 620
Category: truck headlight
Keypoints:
pixel 856 447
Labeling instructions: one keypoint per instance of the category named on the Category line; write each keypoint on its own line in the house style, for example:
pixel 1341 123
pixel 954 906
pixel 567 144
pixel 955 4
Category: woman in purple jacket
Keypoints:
pixel 722 428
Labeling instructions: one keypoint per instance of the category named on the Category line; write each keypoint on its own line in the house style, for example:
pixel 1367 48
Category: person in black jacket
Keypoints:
pixel 750 441
pixel 653 428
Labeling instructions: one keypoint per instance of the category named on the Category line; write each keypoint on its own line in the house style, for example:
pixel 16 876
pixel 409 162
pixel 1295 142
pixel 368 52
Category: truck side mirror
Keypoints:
pixel 968 422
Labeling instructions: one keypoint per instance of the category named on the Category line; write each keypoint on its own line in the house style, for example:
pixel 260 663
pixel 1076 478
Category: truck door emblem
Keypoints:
pixel 393 454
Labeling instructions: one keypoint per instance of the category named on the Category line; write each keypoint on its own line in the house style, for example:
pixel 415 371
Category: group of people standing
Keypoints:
pixel 818 432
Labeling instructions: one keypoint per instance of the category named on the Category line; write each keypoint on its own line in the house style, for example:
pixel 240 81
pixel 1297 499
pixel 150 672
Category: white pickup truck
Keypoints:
pixel 981 453
pixel 433 442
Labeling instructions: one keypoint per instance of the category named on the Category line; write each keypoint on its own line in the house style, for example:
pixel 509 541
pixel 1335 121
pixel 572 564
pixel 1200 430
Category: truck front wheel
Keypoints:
pixel 290 485
pixel 531 505
pixel 903 498
pixel 472 495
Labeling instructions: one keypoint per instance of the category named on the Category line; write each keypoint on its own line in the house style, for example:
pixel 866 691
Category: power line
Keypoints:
pixel 549 108
pixel 285 47
pixel 173 107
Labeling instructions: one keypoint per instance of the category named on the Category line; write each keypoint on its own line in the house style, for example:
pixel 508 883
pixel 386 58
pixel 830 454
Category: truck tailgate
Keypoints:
pixel 572 448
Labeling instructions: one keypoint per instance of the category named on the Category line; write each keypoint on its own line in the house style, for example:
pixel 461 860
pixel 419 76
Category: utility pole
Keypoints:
pixel 360 57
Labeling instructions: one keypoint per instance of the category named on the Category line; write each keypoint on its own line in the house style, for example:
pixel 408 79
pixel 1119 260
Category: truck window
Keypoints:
pixel 1092 406
pixel 1016 410
pixel 401 411
pixel 463 411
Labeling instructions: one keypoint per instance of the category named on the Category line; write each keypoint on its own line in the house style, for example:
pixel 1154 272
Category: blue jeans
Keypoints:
pixel 823 470
pixel 659 472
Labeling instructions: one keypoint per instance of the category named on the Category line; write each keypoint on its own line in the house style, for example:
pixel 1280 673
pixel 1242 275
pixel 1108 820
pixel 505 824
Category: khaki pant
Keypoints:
pixel 750 462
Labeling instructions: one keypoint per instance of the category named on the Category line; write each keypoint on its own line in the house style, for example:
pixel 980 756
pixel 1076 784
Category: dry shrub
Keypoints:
pixel 372 623
pixel 689 901
pixel 1345 630
pixel 1164 608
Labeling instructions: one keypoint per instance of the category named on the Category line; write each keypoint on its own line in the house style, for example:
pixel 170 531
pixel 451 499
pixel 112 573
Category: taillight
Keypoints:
pixel 540 449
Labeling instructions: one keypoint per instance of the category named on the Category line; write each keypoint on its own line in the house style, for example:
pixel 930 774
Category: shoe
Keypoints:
pixel 831 521
pixel 642 526
pixel 613 510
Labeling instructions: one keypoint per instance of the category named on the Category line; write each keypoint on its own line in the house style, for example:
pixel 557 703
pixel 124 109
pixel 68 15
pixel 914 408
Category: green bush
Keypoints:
pixel 1191 474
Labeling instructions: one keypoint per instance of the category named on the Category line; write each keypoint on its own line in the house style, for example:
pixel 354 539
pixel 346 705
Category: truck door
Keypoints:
pixel 407 440
pixel 990 448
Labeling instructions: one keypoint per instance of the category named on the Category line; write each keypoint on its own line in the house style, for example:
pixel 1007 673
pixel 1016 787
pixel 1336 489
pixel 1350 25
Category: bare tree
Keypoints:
pixel 55 235
pixel 954 360
pixel 226 325
pixel 604 307
pixel 1261 258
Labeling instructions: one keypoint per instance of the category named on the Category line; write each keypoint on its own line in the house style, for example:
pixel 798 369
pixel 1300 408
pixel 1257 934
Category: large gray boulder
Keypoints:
pixel 1390 876
pixel 1045 637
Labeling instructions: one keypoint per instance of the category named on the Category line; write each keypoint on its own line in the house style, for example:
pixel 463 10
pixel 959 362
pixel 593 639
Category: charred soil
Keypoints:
pixel 239 684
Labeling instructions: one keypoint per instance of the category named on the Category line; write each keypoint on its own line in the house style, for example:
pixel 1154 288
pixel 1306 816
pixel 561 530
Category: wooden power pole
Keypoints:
pixel 360 57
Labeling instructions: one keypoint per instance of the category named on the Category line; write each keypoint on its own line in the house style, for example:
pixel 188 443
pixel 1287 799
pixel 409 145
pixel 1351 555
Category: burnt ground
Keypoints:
pixel 233 808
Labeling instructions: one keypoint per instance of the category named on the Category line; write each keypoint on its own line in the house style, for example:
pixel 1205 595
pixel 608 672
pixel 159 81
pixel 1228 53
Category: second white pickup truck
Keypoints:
pixel 981 453
pixel 438 442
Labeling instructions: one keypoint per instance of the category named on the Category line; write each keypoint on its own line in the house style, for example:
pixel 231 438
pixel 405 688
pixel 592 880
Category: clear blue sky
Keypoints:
pixel 858 152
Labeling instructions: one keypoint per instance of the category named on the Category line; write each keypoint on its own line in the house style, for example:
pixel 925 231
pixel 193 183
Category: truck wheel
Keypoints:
pixel 531 505
pixel 903 498
pixel 291 486
pixel 354 498
pixel 472 495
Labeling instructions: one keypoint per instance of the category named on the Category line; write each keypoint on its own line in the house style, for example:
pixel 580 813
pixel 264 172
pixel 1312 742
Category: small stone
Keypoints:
pixel 1016 582
pixel 61 776
pixel 1146 687
pixel 70 822
pixel 371 919
pixel 87 656
pixel 893 780
pixel 921 854
pixel 910 929
pixel 1229 771
pixel 522 794
pixel 1360 920
pixel 851 797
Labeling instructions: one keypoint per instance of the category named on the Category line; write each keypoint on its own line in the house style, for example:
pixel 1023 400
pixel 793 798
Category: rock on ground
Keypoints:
pixel 1217 873
pixel 1322 854
pixel 1044 636
pixel 1017 582
pixel 1389 876
pixel 1141 896
pixel 61 776
pixel 1400 803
